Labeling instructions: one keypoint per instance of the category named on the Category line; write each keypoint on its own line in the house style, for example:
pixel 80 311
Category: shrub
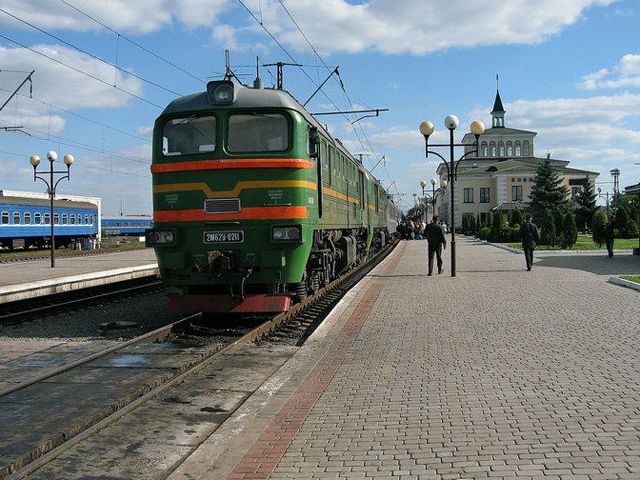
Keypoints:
pixel 548 234
pixel 598 226
pixel 497 227
pixel 570 231
pixel 516 217
pixel 558 221
pixel 484 233
pixel 515 233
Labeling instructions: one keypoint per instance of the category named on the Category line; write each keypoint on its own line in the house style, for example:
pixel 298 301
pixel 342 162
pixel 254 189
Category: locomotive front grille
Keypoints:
pixel 223 205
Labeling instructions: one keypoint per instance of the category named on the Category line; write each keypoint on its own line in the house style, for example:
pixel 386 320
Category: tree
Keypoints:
pixel 598 226
pixel 570 231
pixel 497 227
pixel 548 234
pixel 516 217
pixel 548 191
pixel 558 220
pixel 585 205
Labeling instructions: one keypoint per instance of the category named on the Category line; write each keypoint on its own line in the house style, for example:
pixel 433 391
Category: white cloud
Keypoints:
pixel 418 27
pixel 59 85
pixel 626 74
pixel 125 16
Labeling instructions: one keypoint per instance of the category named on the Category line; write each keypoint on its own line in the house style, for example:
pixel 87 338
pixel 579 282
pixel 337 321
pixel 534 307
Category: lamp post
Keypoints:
pixel 452 122
pixel 51 187
pixel 606 197
pixel 432 197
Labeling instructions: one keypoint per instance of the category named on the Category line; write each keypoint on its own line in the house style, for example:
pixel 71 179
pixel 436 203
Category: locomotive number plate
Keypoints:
pixel 235 236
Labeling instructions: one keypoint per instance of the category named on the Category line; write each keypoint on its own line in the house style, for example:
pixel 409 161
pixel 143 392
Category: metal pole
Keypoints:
pixel 433 200
pixel 452 179
pixel 53 238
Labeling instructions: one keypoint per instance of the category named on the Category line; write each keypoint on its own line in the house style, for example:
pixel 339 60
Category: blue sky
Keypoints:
pixel 569 69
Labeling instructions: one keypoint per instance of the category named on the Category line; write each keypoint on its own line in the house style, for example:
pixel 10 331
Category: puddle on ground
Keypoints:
pixel 128 361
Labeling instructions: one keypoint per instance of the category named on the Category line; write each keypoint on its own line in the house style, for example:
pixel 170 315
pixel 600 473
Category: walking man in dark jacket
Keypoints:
pixel 609 235
pixel 436 240
pixel 530 237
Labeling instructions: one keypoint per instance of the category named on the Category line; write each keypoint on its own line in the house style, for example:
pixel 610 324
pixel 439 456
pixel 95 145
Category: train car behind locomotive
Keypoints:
pixel 255 204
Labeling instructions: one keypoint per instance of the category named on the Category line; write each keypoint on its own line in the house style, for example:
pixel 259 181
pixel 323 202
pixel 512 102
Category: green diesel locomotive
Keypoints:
pixel 255 204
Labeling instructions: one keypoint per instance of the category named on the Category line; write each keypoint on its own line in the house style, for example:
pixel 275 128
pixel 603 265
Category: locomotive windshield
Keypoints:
pixel 184 136
pixel 258 132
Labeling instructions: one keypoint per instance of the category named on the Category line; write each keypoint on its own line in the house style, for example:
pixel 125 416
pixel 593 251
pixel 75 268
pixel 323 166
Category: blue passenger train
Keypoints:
pixel 133 225
pixel 26 222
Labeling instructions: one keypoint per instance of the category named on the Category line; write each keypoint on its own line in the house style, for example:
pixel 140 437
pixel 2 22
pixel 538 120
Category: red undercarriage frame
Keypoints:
pixel 259 303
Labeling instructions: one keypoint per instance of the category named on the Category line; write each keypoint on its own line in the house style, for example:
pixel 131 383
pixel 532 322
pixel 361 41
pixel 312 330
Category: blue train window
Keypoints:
pixel 37 218
pixel 65 218
pixel 16 218
pixel 47 218
pixel 56 218
pixel 5 218
pixel 86 219
pixel 73 219
pixel 27 218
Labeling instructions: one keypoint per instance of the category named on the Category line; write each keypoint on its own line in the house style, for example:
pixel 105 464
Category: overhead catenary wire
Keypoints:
pixel 133 42
pixel 78 70
pixel 89 54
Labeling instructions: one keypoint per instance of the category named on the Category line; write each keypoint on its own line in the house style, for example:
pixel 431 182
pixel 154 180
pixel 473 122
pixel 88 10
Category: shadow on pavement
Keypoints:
pixel 598 264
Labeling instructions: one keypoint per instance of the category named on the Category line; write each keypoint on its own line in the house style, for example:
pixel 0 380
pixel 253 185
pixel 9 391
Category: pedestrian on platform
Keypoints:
pixel 609 235
pixel 436 241
pixel 530 238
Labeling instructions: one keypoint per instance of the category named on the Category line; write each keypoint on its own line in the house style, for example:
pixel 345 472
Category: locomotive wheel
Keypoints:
pixel 301 290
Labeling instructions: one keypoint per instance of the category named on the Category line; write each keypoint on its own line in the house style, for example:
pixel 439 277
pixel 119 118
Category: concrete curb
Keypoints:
pixel 52 286
pixel 624 283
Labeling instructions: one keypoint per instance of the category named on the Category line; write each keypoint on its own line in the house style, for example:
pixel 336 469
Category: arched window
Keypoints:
pixel 492 149
pixel 509 149
pixel 483 149
pixel 86 219
pixel 525 148
pixel 27 218
pixel 5 218
pixel 501 149
pixel 518 149
pixel 65 219
pixel 37 218
pixel 16 218
pixel 73 219
pixel 47 219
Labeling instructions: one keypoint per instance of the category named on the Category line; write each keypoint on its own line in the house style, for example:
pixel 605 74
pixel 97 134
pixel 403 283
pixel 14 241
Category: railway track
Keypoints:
pixel 14 312
pixel 29 256
pixel 205 343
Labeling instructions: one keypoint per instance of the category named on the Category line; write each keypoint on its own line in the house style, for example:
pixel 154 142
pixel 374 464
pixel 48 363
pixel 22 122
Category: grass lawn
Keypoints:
pixel 631 278
pixel 586 243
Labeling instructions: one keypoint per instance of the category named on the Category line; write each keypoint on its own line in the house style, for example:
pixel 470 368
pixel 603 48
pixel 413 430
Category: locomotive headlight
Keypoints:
pixel 291 233
pixel 221 92
pixel 160 237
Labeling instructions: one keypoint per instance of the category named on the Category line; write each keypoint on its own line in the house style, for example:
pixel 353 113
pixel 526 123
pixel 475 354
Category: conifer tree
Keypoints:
pixel 598 225
pixel 585 205
pixel 547 191
pixel 570 231
pixel 558 220
pixel 497 227
pixel 548 234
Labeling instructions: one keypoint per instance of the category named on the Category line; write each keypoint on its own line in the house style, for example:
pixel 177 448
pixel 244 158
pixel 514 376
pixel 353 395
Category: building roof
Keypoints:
pixel 632 189
pixel 488 166
pixel 497 104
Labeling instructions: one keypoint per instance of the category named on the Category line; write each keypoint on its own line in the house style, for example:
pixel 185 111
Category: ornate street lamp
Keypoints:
pixel 432 197
pixel 452 122
pixel 606 197
pixel 51 187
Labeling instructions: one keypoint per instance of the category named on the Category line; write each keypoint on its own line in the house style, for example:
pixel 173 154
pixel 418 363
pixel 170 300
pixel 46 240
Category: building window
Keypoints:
pixel 485 196
pixel 468 195
pixel 484 218
pixel 27 218
pixel 5 218
pixel 483 149
pixel 37 218
pixel 501 149
pixel 575 191
pixel 525 148
pixel 16 218
pixel 509 149
pixel 516 193
pixel 492 149
pixel 518 149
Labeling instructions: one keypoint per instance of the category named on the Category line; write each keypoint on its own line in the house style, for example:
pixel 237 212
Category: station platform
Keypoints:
pixel 495 373
pixel 29 279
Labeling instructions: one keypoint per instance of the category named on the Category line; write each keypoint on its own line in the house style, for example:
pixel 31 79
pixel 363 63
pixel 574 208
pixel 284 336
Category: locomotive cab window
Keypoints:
pixel 188 136
pixel 257 132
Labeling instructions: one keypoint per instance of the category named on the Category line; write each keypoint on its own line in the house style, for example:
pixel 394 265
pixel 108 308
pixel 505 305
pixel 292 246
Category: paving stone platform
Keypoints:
pixel 24 280
pixel 497 373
